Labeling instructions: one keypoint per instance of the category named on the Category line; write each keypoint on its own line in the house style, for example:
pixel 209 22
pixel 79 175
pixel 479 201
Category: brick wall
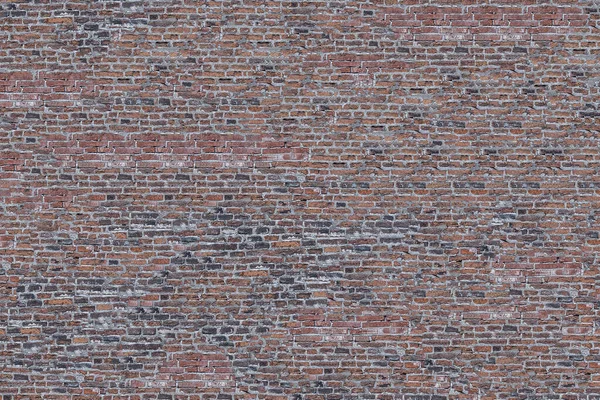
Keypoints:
pixel 299 199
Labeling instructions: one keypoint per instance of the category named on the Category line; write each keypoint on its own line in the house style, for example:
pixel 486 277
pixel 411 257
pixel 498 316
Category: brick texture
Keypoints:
pixel 243 199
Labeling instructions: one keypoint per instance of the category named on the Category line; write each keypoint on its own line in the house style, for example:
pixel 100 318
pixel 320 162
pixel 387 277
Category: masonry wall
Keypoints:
pixel 299 200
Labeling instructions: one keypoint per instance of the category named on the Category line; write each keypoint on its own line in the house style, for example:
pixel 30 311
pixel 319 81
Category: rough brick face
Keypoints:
pixel 247 199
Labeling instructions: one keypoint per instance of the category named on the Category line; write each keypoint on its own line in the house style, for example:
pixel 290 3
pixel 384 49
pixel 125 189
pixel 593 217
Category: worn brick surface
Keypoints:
pixel 245 199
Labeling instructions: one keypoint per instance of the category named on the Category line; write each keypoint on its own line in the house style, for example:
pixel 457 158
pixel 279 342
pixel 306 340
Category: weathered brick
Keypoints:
pixel 299 199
